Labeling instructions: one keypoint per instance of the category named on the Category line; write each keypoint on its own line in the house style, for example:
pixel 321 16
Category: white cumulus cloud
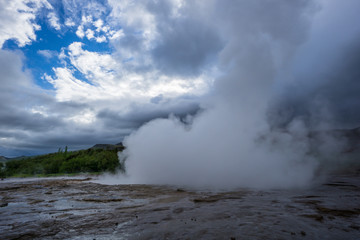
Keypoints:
pixel 18 20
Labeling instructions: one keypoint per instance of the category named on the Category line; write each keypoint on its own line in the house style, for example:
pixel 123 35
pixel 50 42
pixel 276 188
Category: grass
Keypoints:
pixel 64 163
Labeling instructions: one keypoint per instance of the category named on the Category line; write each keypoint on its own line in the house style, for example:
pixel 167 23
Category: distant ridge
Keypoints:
pixel 118 146
pixel 6 159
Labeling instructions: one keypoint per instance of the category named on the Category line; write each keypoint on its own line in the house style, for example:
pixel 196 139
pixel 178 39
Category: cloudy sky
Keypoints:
pixel 77 73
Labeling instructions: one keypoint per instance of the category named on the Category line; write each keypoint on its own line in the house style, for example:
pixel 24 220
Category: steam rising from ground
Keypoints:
pixel 208 156
pixel 235 141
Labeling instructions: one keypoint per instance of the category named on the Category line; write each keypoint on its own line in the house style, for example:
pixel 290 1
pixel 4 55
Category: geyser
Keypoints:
pixel 234 141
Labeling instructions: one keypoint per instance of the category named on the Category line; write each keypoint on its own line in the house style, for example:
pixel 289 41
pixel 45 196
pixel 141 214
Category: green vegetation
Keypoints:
pixel 63 162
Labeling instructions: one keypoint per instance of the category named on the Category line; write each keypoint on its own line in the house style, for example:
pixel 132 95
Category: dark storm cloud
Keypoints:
pixel 11 74
pixel 32 142
pixel 335 89
pixel 16 95
pixel 187 44
pixel 143 114
pixel 131 41
pixel 342 87
pixel 11 118
pixel 79 139
pixel 67 107
pixel 52 141
pixel 12 133
pixel 186 47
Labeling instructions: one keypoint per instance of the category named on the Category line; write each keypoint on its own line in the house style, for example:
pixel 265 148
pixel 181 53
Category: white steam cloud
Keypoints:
pixel 231 143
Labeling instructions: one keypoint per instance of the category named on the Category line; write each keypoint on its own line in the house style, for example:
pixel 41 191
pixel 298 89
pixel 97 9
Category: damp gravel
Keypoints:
pixel 80 209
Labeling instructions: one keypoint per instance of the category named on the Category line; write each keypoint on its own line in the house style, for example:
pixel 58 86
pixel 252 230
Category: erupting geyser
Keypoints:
pixel 247 133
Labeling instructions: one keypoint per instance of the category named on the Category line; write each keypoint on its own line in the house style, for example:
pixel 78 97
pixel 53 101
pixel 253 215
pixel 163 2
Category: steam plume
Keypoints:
pixel 239 139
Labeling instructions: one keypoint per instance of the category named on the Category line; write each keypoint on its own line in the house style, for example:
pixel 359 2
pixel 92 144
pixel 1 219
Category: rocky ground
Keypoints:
pixel 81 209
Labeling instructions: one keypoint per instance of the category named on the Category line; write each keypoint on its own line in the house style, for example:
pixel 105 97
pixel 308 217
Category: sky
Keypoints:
pixel 77 73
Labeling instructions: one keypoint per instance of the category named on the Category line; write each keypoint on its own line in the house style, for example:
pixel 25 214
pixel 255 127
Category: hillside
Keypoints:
pixel 118 146
pixel 6 159
pixel 92 160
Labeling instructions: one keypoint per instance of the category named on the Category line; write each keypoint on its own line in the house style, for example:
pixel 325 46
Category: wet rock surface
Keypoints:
pixel 79 209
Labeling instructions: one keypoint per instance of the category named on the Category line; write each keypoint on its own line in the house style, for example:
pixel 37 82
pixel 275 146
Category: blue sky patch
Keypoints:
pixel 42 55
